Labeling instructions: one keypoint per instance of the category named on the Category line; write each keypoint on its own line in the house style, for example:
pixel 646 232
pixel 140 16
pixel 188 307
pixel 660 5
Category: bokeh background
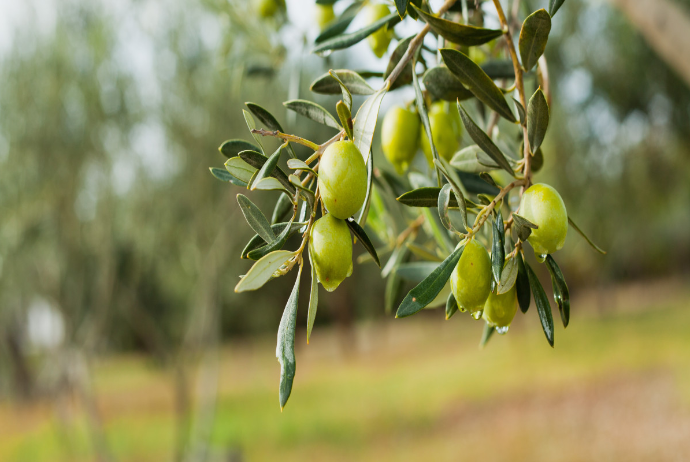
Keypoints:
pixel 121 338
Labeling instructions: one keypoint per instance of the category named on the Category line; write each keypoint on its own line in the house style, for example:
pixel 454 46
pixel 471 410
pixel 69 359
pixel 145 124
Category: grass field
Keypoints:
pixel 616 387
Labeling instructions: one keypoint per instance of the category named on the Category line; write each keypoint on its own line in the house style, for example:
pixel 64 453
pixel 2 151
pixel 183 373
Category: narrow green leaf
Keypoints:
pixel 257 161
pixel 224 175
pixel 405 77
pixel 270 184
pixel 459 33
pixel 444 85
pixel 455 185
pixel 486 334
pixel 424 197
pixel 589 241
pixel 312 111
pixel 476 80
pixel 488 179
pixel 360 234
pixel 508 276
pixel 274 245
pixel 451 306
pixel 523 227
pixel 257 242
pixel 327 84
pixel 533 36
pixel 522 285
pixel 285 350
pixel 364 212
pixel 443 203
pixel 269 121
pixel 255 218
pixel 267 168
pixel 283 206
pixel 365 123
pixel 484 141
pixel 466 160
pixel 425 292
pixel 313 299
pixel 542 302
pixel 340 42
pixel 561 294
pixel 232 148
pixel 240 169
pixel 263 270
pixel 296 164
pixel 252 125
pixel 521 111
pixel 345 118
pixel 537 119
pixel 347 96
pixel 499 69
pixel 339 26
pixel 497 246
pixel 554 5
pixel 401 6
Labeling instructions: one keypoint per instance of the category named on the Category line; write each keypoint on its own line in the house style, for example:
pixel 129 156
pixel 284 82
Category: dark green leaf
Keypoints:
pixel 238 168
pixel 484 141
pixel 224 175
pixel 488 178
pixel 365 123
pixel 276 244
pixel 283 207
pixel 497 246
pixel 508 276
pixel 537 119
pixel 561 294
pixel 328 85
pixel 339 26
pixel 347 96
pixel 425 292
pixel 415 272
pixel 424 197
pixel 257 160
pixel 252 125
pixel 312 111
pixel 255 218
pixel 345 118
pixel 443 84
pixel 401 6
pixel 232 148
pixel 486 335
pixel 268 168
pixel 499 69
pixel 589 241
pixel 476 80
pixel 533 36
pixel 257 242
pixel 543 307
pixel 451 306
pixel 285 351
pixel 405 77
pixel 340 42
pixel 263 270
pixel 522 285
pixel 537 160
pixel 459 33
pixel 554 5
pixel 269 121
pixel 523 227
pixel 360 234
pixel 521 111
pixel 313 299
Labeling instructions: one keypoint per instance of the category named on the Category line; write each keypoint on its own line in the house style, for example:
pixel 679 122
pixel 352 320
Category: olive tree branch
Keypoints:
pixel 484 212
pixel 286 137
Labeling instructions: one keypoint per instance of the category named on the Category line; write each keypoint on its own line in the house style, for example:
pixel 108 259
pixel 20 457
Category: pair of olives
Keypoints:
pixel 343 188
pixel 402 133
pixel 471 280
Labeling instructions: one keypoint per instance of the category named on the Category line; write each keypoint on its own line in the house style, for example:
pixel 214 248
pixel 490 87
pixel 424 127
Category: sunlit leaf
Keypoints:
pixel 347 96
pixel 240 169
pixel 312 111
pixel 466 160
pixel 263 270
pixel 285 350
pixel 508 276
pixel 533 36
pixel 257 161
pixel 345 118
pixel 267 168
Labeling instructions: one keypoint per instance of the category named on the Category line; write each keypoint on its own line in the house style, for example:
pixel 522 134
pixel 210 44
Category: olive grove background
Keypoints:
pixel 121 337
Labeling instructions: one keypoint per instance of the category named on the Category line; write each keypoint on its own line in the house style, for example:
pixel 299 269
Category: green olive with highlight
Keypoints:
pixel 342 179
pixel 542 205
pixel 330 249
pixel 471 278
pixel 399 137
pixel 379 40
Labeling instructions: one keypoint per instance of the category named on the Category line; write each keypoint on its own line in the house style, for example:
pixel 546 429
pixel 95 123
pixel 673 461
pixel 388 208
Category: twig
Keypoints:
pixel 484 213
pixel 286 137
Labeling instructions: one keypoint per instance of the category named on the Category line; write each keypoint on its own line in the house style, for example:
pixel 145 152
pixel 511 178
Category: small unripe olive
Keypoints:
pixel 471 279
pixel 500 310
pixel 542 205
pixel 330 249
pixel 342 179
pixel 379 40
pixel 399 137
pixel 324 15
pixel 268 8
pixel 446 130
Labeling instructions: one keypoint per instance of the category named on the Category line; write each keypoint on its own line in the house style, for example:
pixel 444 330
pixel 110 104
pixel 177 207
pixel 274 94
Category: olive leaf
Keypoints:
pixel 401 7
pixel 297 164
pixel 523 227
pixel 240 169
pixel 282 208
pixel 521 111
pixel 467 160
pixel 451 306
pixel 267 168
pixel 488 179
pixel 340 42
pixel 345 117
pixel 522 285
pixel 537 119
pixel 508 276
pixel 497 246
pixel 443 201
pixel 224 175
pixel 257 241
pixel 313 298
pixel 347 96
pixel 424 197
pixel 533 36
pixel 484 141
pixel 360 234
pixel 263 270
pixel 455 185
pixel 459 33
pixel 257 160
pixel 364 212
pixel 271 123
pixel 365 123
pixel 232 148
pixel 427 290
pixel 327 84
pixel 486 334
pixel 312 111
pixel 252 125
pixel 339 26
pixel 589 241
pixel 255 218
pixel 542 302
pixel 476 80
pixel 405 77
pixel 276 244
pixel 444 85
pixel 499 69
pixel 561 294
pixel 554 5
pixel 270 184
pixel 285 350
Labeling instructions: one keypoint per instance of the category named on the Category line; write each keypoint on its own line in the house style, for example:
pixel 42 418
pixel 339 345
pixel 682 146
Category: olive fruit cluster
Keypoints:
pixel 402 134
pixel 342 184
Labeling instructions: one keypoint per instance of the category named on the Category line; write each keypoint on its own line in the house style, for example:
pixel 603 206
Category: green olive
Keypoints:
pixel 471 279
pixel 324 15
pixel 342 179
pixel 330 249
pixel 379 40
pixel 269 8
pixel 399 137
pixel 542 205
pixel 500 310
pixel 446 130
